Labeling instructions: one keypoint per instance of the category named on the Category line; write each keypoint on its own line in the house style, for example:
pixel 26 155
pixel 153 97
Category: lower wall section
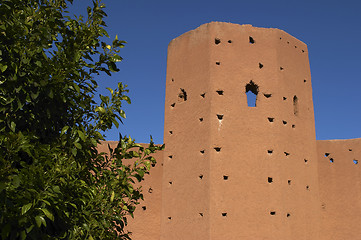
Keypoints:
pixel 340 188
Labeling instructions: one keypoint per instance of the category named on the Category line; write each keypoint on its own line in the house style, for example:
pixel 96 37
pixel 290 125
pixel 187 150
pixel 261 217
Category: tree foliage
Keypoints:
pixel 54 184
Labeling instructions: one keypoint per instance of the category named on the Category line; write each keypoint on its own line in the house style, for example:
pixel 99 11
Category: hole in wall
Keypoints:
pixel 289 182
pixel 170 132
pixel 251 92
pixel 144 208
pixel 304 80
pixel 169 218
pixel 170 183
pixel 293 126
pixel 153 164
pixel 284 122
pixel 225 177
pixel 150 190
pixel 280 38
pixel 269 152
pixel 251 40
pixel 307 188
pixel 201 214
pixel 331 160
pixel 295 46
pixel 220 116
pixel 272 213
pixel 201 119
pixel 200 176
pixel 305 161
pixel 218 63
pixel 295 105
pixel 270 180
pixel 224 214
pixel 350 149
pixel 267 95
pixel 172 105
pixel 202 151
pixel 220 92
pixel 182 96
pixel 218 149
pixel 170 156
pixel 288 42
pixel 203 95
pixel 271 119
pixel 355 161
pixel 288 215
pixel 327 154
pixel 286 153
pixel 217 41
pixel 229 41
pixel 281 68
pixel 284 98
pixel 303 50
pixel 172 79
pixel 260 65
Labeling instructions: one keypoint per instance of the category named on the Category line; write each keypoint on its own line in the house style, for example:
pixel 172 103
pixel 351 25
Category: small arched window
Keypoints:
pixel 295 105
pixel 251 92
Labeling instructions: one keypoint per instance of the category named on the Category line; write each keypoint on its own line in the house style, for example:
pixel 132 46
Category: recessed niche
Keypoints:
pixel 260 65
pixel 220 116
pixel 220 92
pixel 172 105
pixel 270 180
pixel 286 153
pixel 272 213
pixel 284 122
pixel 224 214
pixel 295 105
pixel 251 93
pixel 200 176
pixel 267 95
pixel 202 151
pixel 229 41
pixel 289 182
pixel 203 95
pixel 355 161
pixel 281 68
pixel 201 119
pixel 270 151
pixel 218 63
pixel 182 96
pixel 144 208
pixel 270 119
pixel 150 190
pixel 251 40
pixel 218 149
pixel 217 41
pixel 225 177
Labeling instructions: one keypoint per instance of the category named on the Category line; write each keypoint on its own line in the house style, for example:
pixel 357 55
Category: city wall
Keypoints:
pixel 233 170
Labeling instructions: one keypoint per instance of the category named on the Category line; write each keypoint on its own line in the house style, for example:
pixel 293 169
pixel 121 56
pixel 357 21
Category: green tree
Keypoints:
pixel 54 184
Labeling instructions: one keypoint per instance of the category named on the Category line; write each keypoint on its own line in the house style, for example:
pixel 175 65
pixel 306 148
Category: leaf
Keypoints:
pixel 48 214
pixel 40 221
pixel 26 208
pixel 64 130
pixel 3 67
pixel 81 135
pixel 100 109
pixel 77 145
pixel 112 197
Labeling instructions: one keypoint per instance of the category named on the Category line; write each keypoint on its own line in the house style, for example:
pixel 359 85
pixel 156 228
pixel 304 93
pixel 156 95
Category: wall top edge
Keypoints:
pixel 206 26
pixel 339 140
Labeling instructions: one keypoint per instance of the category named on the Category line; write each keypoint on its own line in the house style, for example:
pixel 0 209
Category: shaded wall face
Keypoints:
pixel 146 222
pixel 231 170
pixel 340 184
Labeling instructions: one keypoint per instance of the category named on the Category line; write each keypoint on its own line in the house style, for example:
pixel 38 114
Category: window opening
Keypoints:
pixel 355 161
pixel 251 92
pixel 251 40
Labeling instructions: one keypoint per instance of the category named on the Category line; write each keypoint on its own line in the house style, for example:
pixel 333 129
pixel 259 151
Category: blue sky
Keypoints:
pixel 331 29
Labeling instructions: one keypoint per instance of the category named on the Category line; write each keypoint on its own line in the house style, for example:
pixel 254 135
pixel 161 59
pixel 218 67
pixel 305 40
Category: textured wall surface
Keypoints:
pixel 237 169
pixel 340 188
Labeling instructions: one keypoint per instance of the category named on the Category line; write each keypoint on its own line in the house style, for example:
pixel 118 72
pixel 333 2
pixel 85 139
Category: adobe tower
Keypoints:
pixel 234 171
